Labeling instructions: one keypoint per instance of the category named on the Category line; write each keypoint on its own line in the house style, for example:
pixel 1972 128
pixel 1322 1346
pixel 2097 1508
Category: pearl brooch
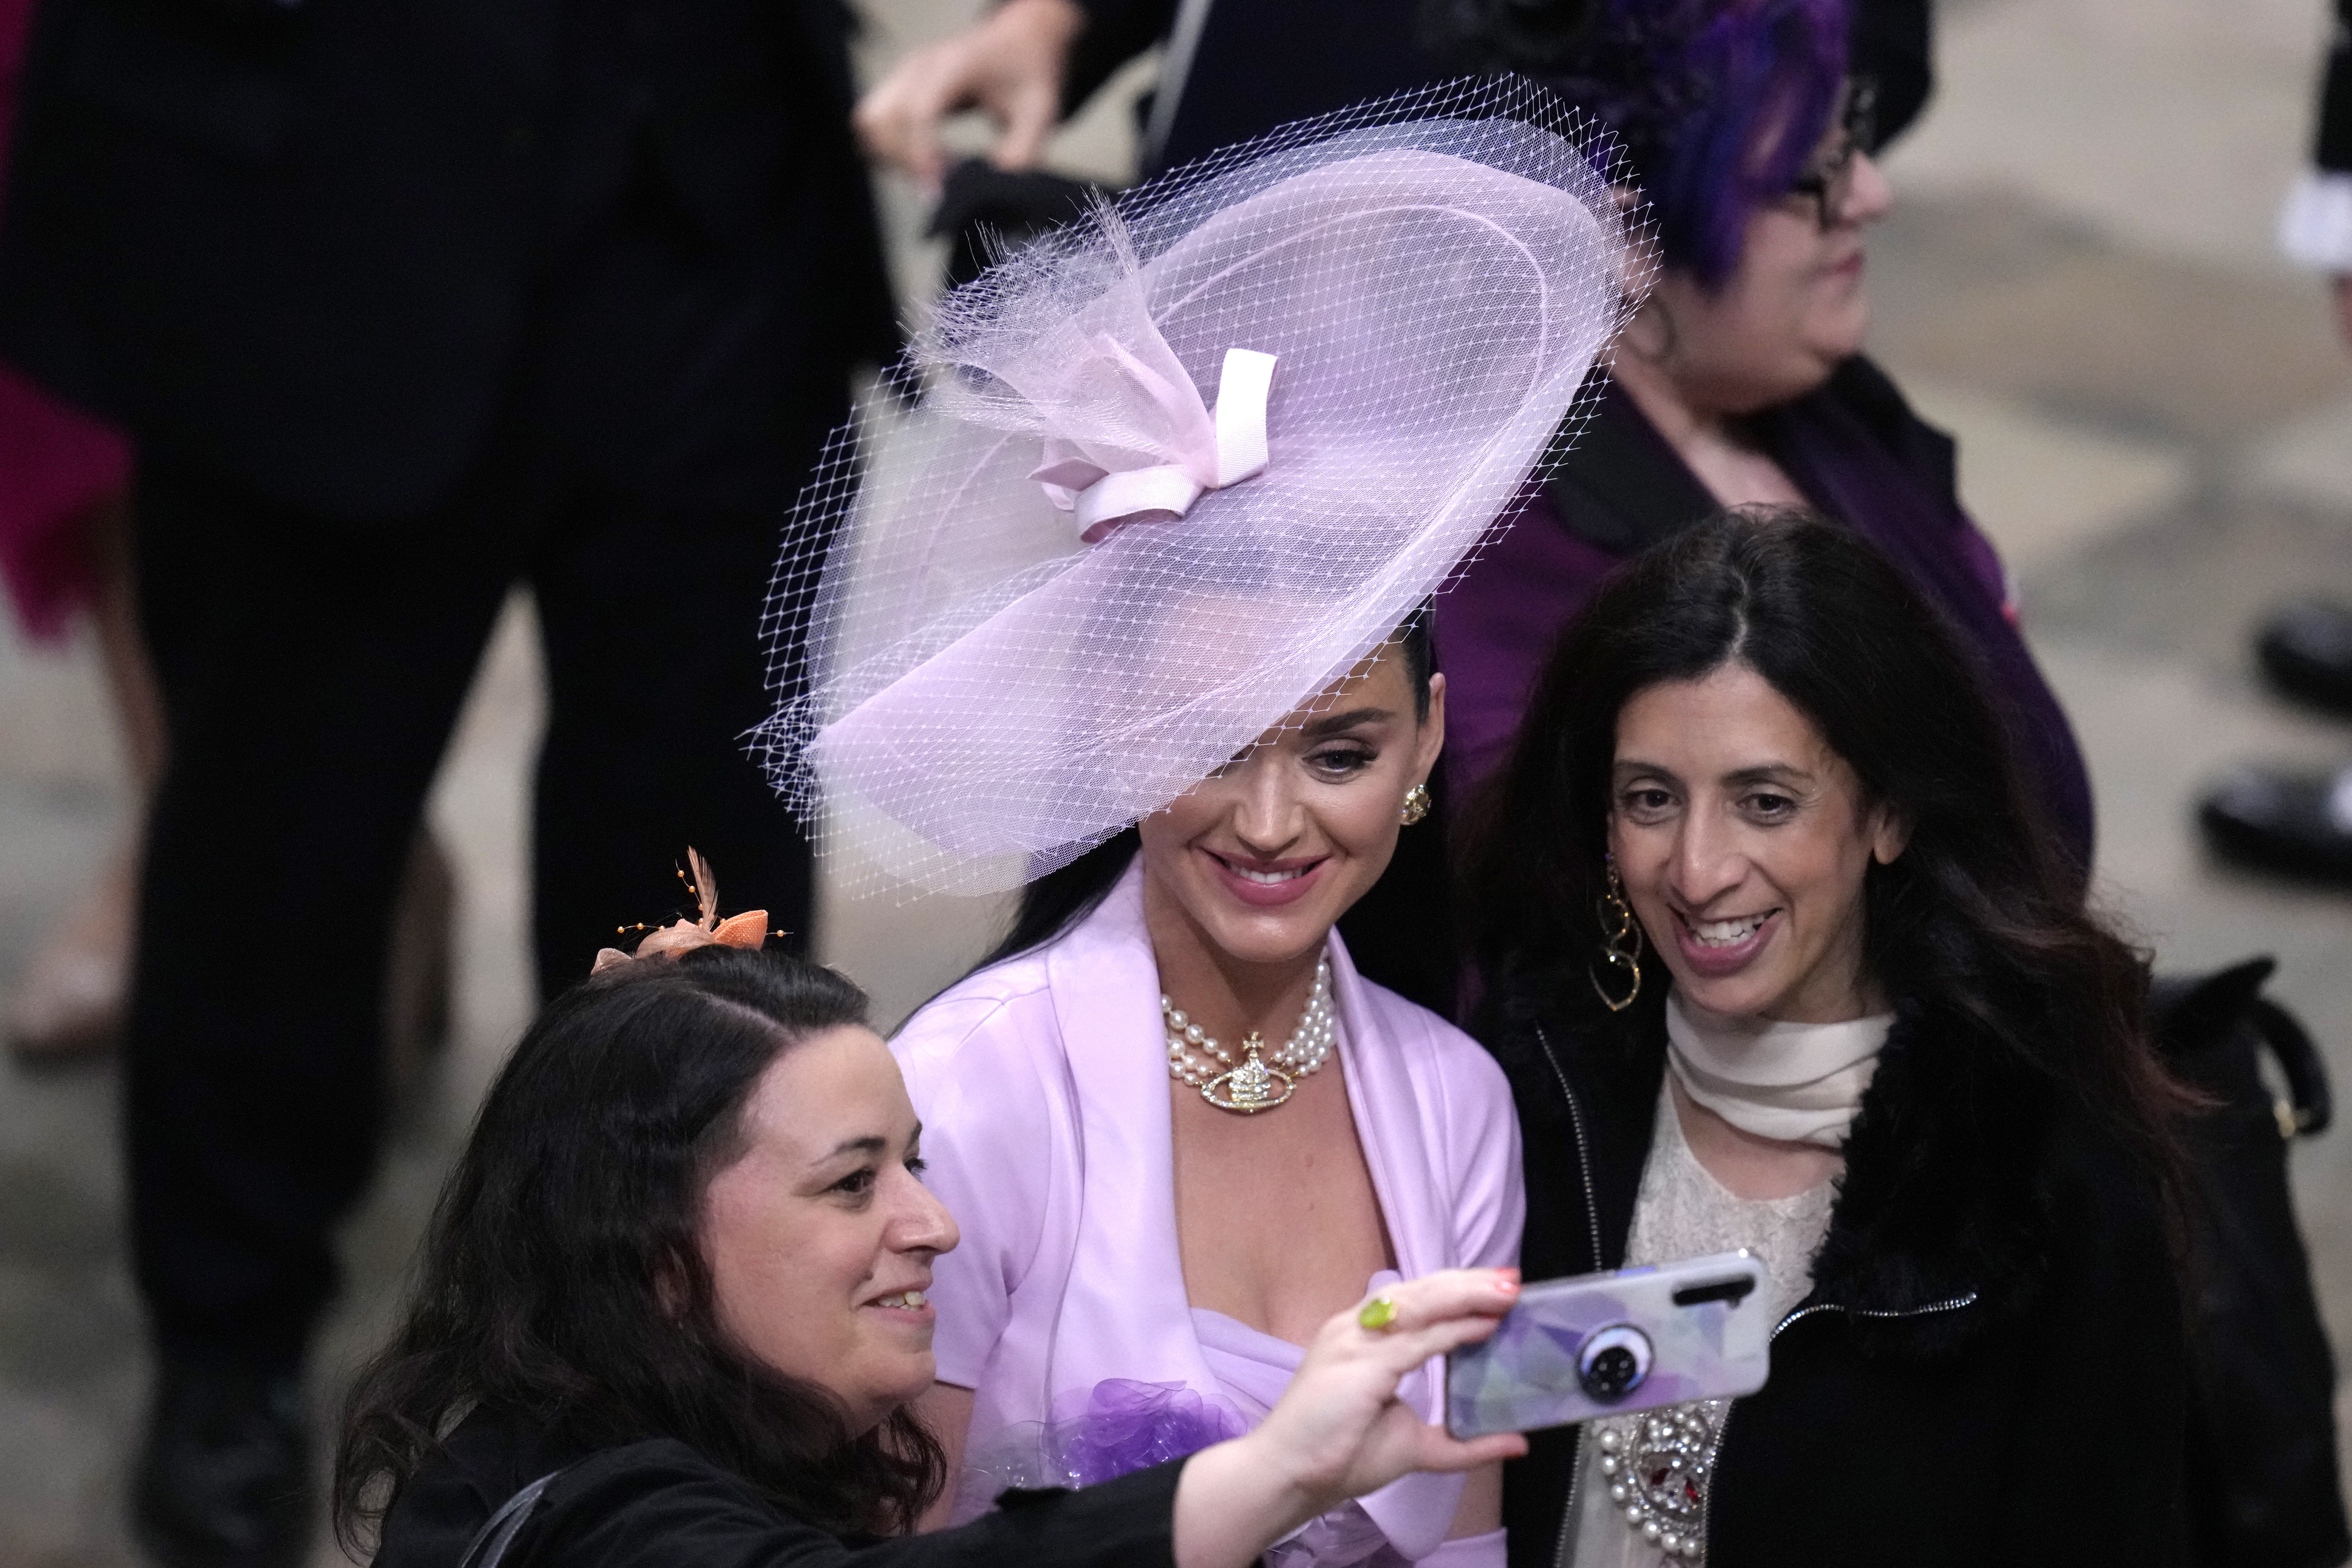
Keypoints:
pixel 1658 1464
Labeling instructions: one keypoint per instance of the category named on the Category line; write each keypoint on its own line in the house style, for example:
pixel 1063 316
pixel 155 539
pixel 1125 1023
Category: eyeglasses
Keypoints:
pixel 1828 180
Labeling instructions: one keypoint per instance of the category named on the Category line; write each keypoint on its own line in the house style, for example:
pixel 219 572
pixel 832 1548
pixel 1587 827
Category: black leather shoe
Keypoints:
pixel 225 1480
pixel 2306 649
pixel 2298 823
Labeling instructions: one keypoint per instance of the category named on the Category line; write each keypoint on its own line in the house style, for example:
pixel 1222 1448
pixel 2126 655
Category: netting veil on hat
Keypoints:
pixel 1180 468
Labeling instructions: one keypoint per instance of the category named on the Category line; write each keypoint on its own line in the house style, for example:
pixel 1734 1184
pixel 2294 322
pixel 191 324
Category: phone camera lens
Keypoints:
pixel 1612 1362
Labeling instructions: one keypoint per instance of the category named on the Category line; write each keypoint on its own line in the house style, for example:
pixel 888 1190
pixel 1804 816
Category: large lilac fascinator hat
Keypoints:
pixel 1176 470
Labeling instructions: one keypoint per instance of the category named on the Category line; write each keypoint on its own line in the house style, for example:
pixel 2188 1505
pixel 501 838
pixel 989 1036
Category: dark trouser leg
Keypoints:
pixel 655 671
pixel 685 410
pixel 311 672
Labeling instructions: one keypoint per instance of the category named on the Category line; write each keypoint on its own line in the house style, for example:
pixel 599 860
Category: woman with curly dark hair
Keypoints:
pixel 1841 1005
pixel 672 1309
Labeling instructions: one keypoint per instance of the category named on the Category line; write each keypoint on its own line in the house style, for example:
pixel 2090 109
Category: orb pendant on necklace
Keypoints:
pixel 1250 1088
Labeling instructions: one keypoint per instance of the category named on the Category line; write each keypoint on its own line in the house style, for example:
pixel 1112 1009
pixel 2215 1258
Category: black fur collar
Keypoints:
pixel 1943 1199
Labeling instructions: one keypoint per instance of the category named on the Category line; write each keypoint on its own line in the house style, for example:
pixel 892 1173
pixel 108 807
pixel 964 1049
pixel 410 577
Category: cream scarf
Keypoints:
pixel 1800 1083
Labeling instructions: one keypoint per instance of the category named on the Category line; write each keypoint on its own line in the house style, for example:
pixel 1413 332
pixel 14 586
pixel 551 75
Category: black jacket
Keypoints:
pixel 1257 66
pixel 1989 1368
pixel 659 1504
pixel 298 242
pixel 2333 151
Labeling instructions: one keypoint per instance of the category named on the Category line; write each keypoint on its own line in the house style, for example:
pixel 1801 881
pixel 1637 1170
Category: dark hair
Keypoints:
pixel 1052 903
pixel 1978 924
pixel 1720 103
pixel 561 1283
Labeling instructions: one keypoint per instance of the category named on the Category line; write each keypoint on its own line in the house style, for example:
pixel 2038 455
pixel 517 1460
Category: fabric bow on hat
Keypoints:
pixel 748 930
pixel 1103 488
pixel 1124 435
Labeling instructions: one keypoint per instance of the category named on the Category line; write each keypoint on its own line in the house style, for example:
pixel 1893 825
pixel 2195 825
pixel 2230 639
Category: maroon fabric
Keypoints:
pixel 55 464
pixel 1847 469
pixel 1495 627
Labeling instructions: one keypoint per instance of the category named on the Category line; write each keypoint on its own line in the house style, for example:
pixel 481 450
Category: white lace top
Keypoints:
pixel 1684 1211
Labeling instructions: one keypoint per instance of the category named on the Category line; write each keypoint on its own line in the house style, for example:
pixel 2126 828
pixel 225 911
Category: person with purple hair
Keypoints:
pixel 1749 126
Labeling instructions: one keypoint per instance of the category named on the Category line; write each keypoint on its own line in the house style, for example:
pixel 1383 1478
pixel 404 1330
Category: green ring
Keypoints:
pixel 1377 1314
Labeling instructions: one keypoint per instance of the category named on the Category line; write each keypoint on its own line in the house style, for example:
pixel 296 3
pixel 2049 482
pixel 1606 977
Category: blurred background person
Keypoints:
pixel 1230 72
pixel 402 305
pixel 1233 71
pixel 2289 819
pixel 65 548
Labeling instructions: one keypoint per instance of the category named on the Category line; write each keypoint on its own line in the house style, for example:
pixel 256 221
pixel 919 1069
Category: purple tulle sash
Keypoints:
pixel 1120 1426
pixel 1117 1427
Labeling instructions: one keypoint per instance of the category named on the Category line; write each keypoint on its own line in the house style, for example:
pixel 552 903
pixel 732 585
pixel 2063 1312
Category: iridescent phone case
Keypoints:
pixel 1600 1344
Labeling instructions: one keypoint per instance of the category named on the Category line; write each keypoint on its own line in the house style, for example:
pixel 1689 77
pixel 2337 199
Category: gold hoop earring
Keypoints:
pixel 1621 944
pixel 1416 805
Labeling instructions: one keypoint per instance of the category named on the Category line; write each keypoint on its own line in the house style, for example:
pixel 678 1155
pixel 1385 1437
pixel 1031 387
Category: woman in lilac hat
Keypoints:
pixel 1129 611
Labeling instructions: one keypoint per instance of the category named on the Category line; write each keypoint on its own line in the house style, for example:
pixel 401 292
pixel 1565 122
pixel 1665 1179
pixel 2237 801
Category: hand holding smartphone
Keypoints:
pixel 1601 1344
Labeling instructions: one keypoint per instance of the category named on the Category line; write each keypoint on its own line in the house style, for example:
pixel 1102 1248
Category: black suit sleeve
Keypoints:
pixel 1895 42
pixel 2333 152
pixel 1116 32
pixel 661 1505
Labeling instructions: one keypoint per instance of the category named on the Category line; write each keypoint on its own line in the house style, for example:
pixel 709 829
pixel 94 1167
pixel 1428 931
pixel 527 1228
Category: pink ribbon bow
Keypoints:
pixel 1211 451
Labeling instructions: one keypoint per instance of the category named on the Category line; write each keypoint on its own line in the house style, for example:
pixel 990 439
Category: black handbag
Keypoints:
pixel 2264 1487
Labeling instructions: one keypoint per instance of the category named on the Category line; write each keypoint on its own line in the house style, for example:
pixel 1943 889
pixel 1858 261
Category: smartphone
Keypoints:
pixel 1600 1344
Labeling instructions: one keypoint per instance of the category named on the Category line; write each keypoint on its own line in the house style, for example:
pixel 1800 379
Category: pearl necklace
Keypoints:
pixel 1253 1084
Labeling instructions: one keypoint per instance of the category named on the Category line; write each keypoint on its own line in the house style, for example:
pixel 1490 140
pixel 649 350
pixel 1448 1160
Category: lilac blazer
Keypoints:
pixel 1043 1088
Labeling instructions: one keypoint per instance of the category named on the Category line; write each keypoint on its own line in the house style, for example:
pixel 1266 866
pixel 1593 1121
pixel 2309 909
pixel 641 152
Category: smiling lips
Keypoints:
pixel 902 1301
pixel 1719 948
pixel 1266 883
pixel 1725 933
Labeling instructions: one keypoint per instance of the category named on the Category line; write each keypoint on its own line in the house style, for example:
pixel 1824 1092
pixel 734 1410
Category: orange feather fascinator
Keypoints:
pixel 748 930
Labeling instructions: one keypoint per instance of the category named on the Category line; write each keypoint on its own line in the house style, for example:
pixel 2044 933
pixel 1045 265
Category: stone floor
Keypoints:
pixel 2156 424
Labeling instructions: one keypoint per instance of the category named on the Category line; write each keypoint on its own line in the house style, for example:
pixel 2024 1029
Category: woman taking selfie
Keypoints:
pixel 1176 1127
pixel 1750 127
pixel 1783 955
pixel 672 1309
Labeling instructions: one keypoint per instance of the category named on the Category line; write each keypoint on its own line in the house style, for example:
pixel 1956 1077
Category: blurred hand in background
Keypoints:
pixel 1008 66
